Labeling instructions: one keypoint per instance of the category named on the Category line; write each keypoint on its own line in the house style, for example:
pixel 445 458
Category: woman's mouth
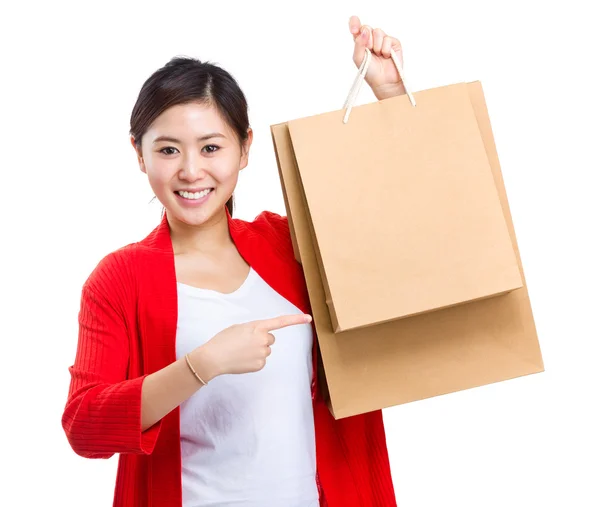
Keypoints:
pixel 195 198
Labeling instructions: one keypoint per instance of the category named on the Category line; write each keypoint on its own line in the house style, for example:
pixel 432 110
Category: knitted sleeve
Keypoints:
pixel 102 415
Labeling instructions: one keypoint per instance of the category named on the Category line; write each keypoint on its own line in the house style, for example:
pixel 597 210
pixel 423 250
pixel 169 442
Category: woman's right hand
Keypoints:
pixel 241 348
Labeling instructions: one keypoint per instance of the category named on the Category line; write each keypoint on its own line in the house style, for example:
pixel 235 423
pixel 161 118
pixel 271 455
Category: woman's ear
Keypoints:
pixel 246 149
pixel 138 152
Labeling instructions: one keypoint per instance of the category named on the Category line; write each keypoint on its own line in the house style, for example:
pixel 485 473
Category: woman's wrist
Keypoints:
pixel 389 90
pixel 204 363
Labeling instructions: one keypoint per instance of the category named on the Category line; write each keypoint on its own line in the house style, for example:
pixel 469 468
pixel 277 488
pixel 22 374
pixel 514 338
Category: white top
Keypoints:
pixel 248 440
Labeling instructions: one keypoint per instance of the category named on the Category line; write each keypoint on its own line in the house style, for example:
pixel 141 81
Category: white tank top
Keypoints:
pixel 248 440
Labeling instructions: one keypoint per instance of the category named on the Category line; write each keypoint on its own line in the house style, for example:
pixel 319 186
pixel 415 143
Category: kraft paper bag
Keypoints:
pixel 418 357
pixel 403 208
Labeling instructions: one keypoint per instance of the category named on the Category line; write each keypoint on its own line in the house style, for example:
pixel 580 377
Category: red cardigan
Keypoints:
pixel 127 326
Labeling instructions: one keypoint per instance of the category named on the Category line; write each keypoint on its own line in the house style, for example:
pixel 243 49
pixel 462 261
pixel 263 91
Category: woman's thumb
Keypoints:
pixel 360 44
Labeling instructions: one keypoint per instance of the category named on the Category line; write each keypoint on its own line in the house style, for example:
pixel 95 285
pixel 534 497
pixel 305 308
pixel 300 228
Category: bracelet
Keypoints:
pixel 187 359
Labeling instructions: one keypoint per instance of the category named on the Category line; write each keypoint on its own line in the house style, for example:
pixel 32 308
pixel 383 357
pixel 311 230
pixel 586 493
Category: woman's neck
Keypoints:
pixel 209 238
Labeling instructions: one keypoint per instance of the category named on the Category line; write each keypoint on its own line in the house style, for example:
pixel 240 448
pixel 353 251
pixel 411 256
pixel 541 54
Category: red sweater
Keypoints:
pixel 127 327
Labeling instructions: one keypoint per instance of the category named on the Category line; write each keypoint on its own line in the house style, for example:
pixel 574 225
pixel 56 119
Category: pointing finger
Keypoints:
pixel 281 322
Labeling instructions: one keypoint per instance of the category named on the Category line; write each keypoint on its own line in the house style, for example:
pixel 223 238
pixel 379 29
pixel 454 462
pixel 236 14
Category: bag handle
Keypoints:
pixel 358 81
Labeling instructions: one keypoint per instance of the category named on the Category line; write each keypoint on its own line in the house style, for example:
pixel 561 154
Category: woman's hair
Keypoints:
pixel 185 79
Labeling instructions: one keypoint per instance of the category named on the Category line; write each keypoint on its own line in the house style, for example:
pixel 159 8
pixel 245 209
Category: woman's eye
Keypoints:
pixel 170 150
pixel 216 148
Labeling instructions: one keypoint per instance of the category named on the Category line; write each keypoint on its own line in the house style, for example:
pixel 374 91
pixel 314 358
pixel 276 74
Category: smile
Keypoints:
pixel 194 195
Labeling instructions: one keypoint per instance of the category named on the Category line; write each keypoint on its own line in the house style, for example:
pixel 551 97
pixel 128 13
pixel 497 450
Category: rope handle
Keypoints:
pixel 360 77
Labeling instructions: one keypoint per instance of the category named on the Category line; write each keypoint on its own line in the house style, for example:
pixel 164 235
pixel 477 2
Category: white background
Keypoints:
pixel 72 192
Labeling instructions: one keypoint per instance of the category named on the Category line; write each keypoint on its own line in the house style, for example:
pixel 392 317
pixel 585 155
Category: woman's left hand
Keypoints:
pixel 382 76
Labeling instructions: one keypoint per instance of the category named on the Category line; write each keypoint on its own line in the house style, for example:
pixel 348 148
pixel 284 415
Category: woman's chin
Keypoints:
pixel 197 215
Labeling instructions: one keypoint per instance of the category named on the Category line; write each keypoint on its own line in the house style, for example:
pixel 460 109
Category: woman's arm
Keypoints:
pixel 102 415
pixel 106 413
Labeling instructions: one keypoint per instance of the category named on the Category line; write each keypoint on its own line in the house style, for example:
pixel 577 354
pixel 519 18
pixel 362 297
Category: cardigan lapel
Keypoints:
pixel 282 274
pixel 158 298
pixel 157 326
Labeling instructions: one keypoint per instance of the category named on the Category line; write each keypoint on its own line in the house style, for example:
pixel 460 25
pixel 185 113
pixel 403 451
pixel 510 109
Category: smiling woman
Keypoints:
pixel 180 108
pixel 177 368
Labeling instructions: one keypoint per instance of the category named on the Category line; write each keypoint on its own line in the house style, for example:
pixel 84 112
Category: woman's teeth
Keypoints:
pixel 194 195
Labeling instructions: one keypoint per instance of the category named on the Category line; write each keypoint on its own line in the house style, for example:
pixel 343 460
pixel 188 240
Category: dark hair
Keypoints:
pixel 185 79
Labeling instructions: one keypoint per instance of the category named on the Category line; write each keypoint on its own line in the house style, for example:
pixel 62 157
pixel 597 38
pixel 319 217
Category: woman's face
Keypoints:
pixel 192 158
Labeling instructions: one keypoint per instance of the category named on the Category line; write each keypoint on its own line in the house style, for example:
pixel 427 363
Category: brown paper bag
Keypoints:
pixel 403 207
pixel 431 354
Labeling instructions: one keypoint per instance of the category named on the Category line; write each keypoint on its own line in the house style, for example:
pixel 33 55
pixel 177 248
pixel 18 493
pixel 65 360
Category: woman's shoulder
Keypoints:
pixel 114 271
pixel 271 225
pixel 275 228
pixel 271 220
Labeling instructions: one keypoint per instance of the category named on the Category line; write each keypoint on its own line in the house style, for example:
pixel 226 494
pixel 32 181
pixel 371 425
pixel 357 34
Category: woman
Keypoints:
pixel 196 359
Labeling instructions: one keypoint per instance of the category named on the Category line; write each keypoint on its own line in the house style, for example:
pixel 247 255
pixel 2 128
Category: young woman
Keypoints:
pixel 196 356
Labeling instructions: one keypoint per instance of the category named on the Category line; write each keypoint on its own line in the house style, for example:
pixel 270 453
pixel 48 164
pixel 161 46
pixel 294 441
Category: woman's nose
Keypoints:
pixel 192 170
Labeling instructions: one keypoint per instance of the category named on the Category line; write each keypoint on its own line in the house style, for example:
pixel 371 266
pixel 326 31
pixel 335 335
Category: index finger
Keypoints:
pixel 283 321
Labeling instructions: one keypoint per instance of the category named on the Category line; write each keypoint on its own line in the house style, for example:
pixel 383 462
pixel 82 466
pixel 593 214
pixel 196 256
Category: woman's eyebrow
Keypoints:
pixel 175 140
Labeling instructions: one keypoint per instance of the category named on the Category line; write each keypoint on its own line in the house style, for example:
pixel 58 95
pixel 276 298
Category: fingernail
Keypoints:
pixel 308 318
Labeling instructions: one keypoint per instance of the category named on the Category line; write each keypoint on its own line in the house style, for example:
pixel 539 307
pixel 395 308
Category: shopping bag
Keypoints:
pixel 403 208
pixel 423 356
